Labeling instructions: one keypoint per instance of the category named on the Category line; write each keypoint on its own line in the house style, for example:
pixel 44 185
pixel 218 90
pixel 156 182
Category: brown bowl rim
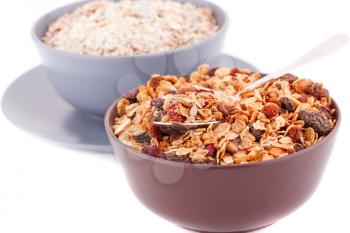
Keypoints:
pixel 295 155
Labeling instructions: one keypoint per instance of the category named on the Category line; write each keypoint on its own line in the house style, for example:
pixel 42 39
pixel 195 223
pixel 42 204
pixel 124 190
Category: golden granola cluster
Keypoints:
pixel 278 118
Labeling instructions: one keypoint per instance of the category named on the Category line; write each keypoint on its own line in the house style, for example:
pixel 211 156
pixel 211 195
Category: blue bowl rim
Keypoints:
pixel 72 6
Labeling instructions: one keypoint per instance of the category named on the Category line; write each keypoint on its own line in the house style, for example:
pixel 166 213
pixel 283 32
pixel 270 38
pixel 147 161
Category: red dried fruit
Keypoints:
pixel 316 90
pixel 234 72
pixel 223 110
pixel 157 103
pixel 153 151
pixel 212 150
pixel 317 121
pixel 131 95
pixel 295 133
pixel 289 78
pixel 270 110
pixel 154 132
pixel 211 72
pixel 287 104
pixel 256 133
pixel 303 98
pixel 174 115
pixel 154 81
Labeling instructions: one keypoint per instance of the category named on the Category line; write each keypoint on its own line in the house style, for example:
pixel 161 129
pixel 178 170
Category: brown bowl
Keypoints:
pixel 213 198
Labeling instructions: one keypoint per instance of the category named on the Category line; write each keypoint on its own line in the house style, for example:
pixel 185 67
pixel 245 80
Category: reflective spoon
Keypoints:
pixel 324 49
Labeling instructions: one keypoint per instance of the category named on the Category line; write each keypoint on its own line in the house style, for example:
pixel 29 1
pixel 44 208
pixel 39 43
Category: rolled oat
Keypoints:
pixel 130 27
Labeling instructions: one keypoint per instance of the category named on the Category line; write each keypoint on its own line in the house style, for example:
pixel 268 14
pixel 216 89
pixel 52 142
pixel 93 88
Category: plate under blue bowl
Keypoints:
pixel 32 104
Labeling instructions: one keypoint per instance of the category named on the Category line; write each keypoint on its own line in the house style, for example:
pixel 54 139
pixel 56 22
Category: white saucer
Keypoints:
pixel 32 104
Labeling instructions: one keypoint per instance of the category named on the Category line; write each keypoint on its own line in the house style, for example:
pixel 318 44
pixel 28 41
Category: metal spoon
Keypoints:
pixel 324 49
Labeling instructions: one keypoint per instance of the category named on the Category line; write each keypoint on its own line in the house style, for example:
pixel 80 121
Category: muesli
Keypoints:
pixel 279 118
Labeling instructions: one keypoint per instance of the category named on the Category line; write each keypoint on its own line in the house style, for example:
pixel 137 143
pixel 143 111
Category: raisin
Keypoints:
pixel 295 133
pixel 144 138
pixel 131 96
pixel 223 110
pixel 257 133
pixel 157 103
pixel 270 110
pixel 212 150
pixel 317 121
pixel 154 81
pixel 316 90
pixel 211 72
pixel 298 147
pixel 289 78
pixel 154 132
pixel 174 115
pixel 287 104
pixel 153 151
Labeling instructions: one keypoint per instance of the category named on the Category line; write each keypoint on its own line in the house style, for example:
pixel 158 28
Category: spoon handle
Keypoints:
pixel 322 50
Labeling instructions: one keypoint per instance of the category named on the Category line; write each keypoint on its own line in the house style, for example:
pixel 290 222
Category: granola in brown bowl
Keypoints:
pixel 279 118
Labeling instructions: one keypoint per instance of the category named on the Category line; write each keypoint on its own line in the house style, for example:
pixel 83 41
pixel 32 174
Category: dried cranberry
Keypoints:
pixel 131 95
pixel 223 110
pixel 154 81
pixel 157 103
pixel 144 138
pixel 295 133
pixel 211 72
pixel 317 121
pixel 270 110
pixel 234 72
pixel 256 133
pixel 153 151
pixel 287 104
pixel 316 90
pixel 289 78
pixel 173 114
pixel 212 150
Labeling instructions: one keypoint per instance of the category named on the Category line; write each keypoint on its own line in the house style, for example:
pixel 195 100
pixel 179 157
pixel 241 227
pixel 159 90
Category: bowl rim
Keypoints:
pixel 72 6
pixel 295 155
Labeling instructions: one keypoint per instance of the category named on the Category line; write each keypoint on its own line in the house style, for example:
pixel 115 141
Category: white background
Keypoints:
pixel 46 188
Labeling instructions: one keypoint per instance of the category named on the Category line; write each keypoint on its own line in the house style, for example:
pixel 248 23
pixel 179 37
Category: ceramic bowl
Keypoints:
pixel 214 198
pixel 92 83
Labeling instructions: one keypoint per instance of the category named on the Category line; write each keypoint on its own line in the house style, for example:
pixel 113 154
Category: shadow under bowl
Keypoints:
pixel 92 83
pixel 214 198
